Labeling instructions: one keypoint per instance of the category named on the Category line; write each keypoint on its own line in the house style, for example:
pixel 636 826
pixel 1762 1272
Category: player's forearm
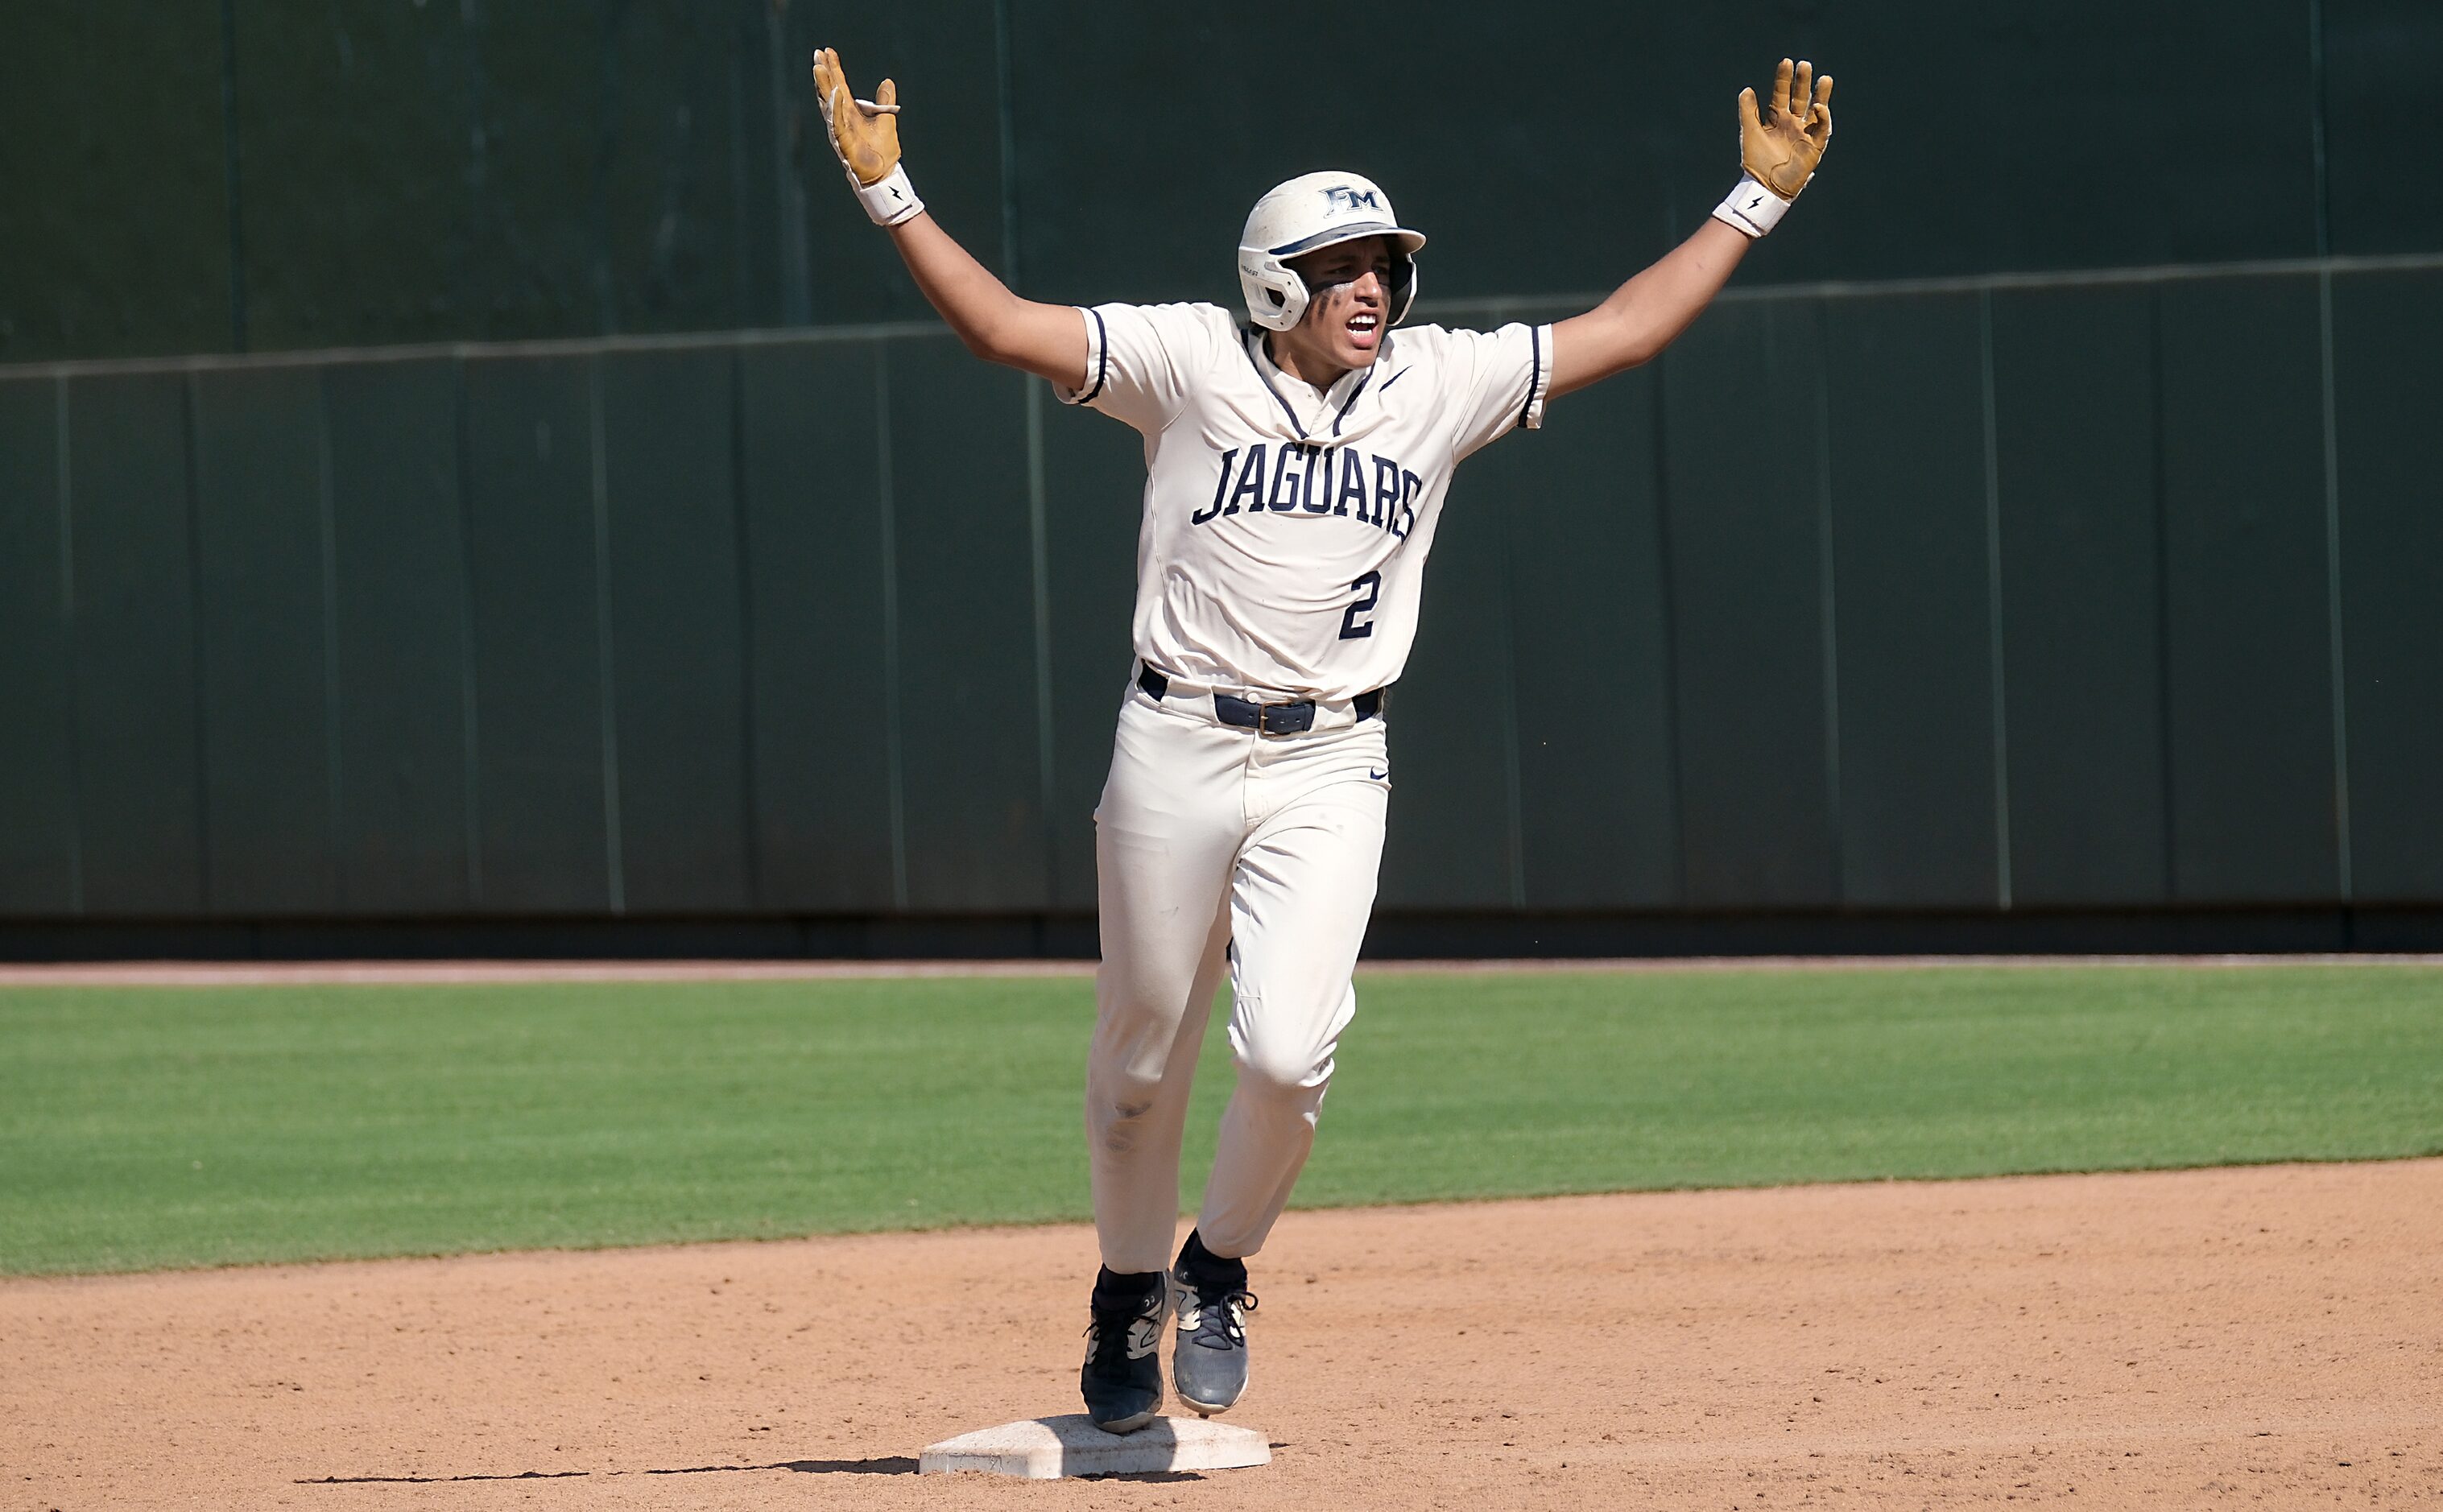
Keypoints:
pixel 996 324
pixel 1648 311
pixel 1778 154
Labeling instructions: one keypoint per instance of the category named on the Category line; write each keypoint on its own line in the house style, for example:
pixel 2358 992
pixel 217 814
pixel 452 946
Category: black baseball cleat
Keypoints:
pixel 1208 1359
pixel 1121 1376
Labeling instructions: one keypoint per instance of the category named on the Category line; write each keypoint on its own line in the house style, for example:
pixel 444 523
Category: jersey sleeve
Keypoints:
pixel 1141 360
pixel 1501 378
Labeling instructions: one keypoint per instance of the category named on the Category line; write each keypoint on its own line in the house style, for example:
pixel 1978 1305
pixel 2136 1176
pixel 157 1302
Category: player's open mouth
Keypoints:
pixel 1363 325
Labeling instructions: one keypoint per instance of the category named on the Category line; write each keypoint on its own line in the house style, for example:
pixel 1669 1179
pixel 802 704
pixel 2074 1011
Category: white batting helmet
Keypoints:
pixel 1309 212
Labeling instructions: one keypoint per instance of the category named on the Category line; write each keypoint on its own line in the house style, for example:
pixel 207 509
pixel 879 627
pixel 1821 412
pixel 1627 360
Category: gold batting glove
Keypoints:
pixel 1779 148
pixel 865 138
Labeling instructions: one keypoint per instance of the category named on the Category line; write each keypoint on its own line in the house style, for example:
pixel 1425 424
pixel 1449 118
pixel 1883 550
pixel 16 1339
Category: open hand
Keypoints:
pixel 865 135
pixel 1780 148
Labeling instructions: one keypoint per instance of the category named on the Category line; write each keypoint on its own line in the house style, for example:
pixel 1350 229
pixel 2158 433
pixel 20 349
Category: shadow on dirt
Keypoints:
pixel 889 1464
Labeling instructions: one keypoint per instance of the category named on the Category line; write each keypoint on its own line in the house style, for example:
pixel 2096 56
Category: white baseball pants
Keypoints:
pixel 1216 846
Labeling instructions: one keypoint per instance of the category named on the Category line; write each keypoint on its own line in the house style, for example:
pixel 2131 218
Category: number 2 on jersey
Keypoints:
pixel 1371 586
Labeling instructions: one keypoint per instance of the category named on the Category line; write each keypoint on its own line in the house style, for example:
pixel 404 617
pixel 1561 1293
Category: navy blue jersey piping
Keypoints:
pixel 1353 398
pixel 1102 355
pixel 1534 369
pixel 1266 379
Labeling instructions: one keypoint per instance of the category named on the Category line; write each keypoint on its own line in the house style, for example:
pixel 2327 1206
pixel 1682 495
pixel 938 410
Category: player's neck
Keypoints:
pixel 1308 368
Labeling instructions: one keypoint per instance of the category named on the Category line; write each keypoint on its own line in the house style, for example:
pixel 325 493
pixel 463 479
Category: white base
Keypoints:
pixel 1046 1449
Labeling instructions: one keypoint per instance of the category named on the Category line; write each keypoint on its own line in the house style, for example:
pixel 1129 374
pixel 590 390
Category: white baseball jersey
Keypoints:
pixel 1283 547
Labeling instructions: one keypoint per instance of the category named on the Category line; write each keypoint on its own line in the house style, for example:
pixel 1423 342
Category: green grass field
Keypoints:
pixel 156 1127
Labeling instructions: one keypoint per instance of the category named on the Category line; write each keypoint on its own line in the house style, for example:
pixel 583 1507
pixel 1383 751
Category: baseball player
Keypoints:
pixel 1296 466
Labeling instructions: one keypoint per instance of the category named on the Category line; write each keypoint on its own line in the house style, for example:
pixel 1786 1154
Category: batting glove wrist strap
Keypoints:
pixel 1752 209
pixel 890 201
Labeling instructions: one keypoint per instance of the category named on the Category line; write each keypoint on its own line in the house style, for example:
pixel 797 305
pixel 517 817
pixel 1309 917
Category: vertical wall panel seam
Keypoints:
pixel 892 733
pixel 1038 526
pixel 795 271
pixel 232 185
pixel 1667 603
pixel 1829 603
pixel 614 845
pixel 64 468
pixel 1003 50
pixel 2316 112
pixel 191 447
pixel 2334 621
pixel 1996 660
pixel 742 312
pixel 2166 727
pixel 334 820
pixel 469 689
pixel 743 535
pixel 1039 564
pixel 478 155
pixel 1513 815
pixel 606 152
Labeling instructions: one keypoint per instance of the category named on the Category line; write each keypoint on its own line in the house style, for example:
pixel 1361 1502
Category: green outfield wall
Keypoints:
pixel 280 174
pixel 464 461
pixel 2097 592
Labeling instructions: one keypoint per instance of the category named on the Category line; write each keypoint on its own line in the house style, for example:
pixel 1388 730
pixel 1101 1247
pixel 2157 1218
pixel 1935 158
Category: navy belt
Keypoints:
pixel 1265 719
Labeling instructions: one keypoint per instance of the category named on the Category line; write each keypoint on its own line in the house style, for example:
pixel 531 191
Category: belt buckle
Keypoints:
pixel 1266 725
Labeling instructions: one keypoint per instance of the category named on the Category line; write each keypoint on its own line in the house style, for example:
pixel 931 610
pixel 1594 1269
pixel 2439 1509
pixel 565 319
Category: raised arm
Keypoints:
pixel 1779 152
pixel 1045 339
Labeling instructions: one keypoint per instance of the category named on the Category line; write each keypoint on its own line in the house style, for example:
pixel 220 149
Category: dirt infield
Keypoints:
pixel 2268 1336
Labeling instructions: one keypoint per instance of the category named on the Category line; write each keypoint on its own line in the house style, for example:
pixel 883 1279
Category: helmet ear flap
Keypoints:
pixel 1277 296
pixel 1404 286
